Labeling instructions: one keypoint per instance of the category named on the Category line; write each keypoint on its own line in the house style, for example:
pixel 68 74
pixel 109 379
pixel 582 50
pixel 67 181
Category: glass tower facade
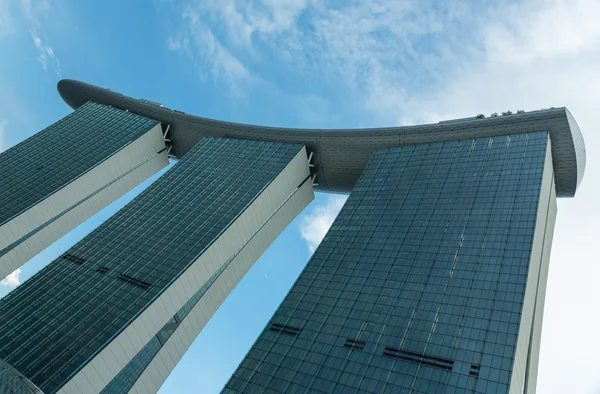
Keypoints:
pixel 48 184
pixel 87 136
pixel 66 315
pixel 425 281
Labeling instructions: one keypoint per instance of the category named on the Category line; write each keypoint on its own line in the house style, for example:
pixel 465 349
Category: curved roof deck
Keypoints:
pixel 340 155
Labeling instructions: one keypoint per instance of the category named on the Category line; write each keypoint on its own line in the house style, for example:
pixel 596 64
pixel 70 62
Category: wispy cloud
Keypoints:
pixel 314 225
pixel 45 54
pixel 218 36
pixel 259 19
pixel 401 59
pixel 13 280
pixel 367 47
pixel 197 40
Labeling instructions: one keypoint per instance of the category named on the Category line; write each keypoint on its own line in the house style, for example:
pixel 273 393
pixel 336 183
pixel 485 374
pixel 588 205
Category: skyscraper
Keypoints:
pixel 428 280
pixel 431 279
pixel 61 176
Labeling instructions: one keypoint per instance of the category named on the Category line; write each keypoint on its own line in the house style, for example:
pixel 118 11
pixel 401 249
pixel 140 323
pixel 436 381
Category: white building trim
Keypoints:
pixel 33 230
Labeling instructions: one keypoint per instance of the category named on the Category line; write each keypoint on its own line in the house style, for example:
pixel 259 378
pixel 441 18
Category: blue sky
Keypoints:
pixel 323 64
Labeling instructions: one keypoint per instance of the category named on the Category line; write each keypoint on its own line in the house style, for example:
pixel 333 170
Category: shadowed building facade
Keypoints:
pixel 431 279
pixel 55 180
pixel 427 281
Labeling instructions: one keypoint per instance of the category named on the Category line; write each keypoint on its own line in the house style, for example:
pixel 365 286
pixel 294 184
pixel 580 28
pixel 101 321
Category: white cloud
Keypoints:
pixel 13 280
pixel 523 64
pixel 218 36
pixel 314 225
pixel 264 17
pixel 529 31
pixel 45 54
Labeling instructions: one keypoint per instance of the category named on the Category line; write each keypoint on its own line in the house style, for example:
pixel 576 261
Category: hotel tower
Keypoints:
pixel 430 280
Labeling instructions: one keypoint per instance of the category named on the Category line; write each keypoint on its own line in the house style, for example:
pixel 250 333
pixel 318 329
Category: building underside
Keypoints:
pixel 339 156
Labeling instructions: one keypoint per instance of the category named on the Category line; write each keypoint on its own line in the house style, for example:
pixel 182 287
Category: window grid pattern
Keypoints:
pixel 427 262
pixel 42 164
pixel 58 320
pixel 127 377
